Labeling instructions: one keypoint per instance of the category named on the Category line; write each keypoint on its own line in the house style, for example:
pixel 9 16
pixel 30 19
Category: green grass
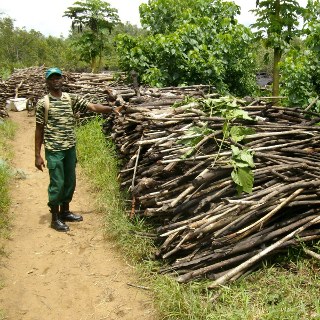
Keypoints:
pixel 287 290
pixel 275 292
pixel 97 157
pixel 7 132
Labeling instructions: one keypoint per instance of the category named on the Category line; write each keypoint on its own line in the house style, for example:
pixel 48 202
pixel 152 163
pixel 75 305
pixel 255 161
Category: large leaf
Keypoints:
pixel 244 178
pixel 238 133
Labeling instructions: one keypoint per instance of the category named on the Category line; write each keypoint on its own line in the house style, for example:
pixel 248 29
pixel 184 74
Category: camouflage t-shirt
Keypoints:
pixel 59 131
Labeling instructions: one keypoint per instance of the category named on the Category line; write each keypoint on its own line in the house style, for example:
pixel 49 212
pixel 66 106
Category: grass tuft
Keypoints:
pixel 7 132
pixel 98 159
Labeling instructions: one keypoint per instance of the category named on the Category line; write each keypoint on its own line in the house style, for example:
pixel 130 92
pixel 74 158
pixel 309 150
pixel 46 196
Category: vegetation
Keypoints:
pixel 7 131
pixel 278 23
pixel 191 43
pixel 300 69
pixel 93 20
pixel 20 48
pixel 98 160
pixel 274 292
pixel 241 159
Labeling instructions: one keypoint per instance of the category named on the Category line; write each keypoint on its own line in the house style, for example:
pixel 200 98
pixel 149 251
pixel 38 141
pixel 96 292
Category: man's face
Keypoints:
pixel 54 82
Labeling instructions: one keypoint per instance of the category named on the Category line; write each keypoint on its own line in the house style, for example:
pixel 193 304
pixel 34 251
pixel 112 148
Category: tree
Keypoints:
pixel 111 60
pixel 92 20
pixel 191 42
pixel 278 24
pixel 300 69
pixel 6 48
pixel 21 48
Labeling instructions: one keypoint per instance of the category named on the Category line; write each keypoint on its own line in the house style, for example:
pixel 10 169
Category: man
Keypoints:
pixel 55 127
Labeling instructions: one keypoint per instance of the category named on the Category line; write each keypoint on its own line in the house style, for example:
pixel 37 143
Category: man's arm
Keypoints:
pixel 39 162
pixel 100 108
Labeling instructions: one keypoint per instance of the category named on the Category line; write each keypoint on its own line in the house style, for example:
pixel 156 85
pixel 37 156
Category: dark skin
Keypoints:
pixel 54 85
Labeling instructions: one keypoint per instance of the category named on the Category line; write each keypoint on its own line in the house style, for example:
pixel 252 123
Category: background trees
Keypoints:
pixel 277 22
pixel 20 48
pixel 92 20
pixel 300 68
pixel 191 43
pixel 182 42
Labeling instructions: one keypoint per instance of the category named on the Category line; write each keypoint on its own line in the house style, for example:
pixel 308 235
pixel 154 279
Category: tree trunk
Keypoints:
pixel 276 54
pixel 276 76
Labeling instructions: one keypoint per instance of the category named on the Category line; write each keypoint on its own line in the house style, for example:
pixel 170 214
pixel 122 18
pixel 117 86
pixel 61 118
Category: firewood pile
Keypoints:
pixel 23 83
pixel 29 83
pixel 105 88
pixel 204 227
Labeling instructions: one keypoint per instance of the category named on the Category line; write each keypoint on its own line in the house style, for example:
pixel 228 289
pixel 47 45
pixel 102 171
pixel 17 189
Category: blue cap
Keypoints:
pixel 53 71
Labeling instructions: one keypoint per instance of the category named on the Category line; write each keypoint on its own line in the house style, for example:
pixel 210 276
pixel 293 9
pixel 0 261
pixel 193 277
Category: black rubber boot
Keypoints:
pixel 56 223
pixel 67 215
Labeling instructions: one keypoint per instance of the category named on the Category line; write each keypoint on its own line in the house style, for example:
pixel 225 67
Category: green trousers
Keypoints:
pixel 62 172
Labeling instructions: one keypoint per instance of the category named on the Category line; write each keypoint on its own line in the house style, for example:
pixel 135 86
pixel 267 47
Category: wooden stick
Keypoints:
pixel 262 220
pixel 251 261
pixel 311 253
pixel 312 104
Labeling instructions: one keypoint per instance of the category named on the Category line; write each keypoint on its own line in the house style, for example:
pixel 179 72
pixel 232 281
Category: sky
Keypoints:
pixel 45 16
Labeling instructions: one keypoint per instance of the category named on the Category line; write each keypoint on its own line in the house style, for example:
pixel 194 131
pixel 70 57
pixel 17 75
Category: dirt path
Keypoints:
pixel 61 276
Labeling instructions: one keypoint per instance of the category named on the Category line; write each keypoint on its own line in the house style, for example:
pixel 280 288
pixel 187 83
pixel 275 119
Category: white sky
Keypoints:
pixel 45 16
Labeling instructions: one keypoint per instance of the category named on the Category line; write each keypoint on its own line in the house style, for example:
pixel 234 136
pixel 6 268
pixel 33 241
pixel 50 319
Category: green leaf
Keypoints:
pixel 235 150
pixel 248 158
pixel 241 114
pixel 240 164
pixel 225 129
pixel 235 177
pixel 191 142
pixel 238 133
pixel 188 154
pixel 244 178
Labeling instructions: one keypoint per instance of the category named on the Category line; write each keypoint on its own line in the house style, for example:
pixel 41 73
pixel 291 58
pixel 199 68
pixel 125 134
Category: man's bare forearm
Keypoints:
pixel 38 139
pixel 99 108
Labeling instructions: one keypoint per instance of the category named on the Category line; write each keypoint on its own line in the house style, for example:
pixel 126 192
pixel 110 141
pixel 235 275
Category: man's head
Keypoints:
pixel 52 71
pixel 54 80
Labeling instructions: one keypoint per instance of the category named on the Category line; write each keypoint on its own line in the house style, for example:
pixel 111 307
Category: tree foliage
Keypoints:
pixel 300 69
pixel 93 20
pixel 20 48
pixel 111 60
pixel 278 24
pixel 191 42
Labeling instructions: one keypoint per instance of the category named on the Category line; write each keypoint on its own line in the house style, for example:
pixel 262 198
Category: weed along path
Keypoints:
pixel 50 275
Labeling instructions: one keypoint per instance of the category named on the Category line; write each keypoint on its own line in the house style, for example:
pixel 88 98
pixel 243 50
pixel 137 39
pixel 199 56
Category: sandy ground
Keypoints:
pixel 67 276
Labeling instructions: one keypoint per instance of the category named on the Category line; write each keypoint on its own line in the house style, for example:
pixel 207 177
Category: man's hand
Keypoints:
pixel 119 109
pixel 39 163
pixel 100 108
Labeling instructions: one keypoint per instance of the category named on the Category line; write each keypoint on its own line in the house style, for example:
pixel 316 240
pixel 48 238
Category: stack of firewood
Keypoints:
pixel 29 83
pixel 107 88
pixel 205 227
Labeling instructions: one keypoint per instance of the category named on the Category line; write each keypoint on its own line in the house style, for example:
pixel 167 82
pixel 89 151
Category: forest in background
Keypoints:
pixel 182 43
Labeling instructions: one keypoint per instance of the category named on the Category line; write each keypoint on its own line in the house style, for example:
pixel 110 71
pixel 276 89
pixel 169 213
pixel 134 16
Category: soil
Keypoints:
pixel 78 275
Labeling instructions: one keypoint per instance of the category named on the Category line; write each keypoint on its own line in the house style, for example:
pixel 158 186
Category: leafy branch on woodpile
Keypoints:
pixel 241 159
